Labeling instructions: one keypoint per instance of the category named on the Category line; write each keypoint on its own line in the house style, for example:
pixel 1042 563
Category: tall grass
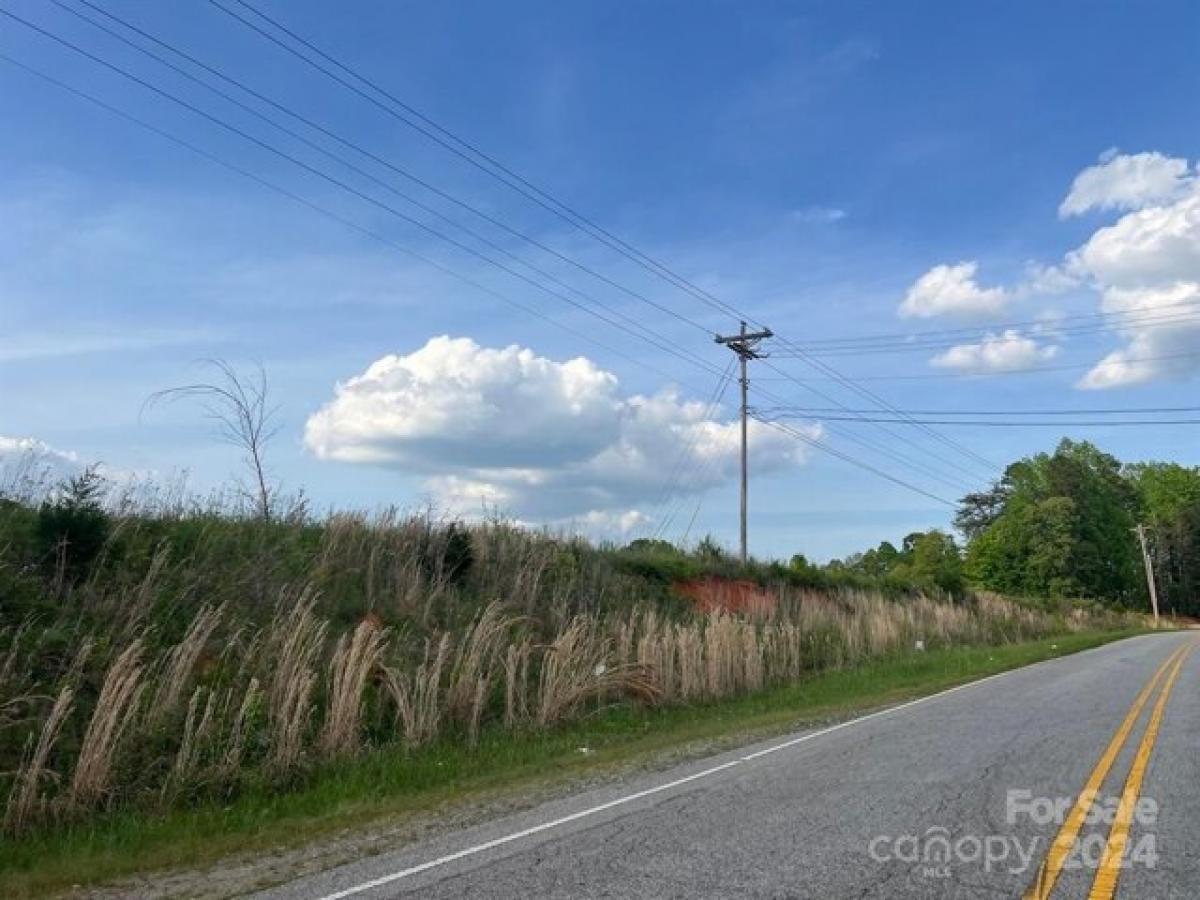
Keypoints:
pixel 203 652
pixel 278 702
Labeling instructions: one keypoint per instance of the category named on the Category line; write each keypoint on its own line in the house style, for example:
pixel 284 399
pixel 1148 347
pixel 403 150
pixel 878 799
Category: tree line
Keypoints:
pixel 1062 525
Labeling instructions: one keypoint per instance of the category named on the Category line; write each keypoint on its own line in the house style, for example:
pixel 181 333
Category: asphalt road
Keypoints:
pixel 958 795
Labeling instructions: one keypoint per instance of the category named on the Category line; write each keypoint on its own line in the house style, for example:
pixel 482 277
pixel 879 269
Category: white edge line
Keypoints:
pixel 657 789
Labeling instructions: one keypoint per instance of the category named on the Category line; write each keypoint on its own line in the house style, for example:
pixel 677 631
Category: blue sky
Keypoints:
pixel 814 164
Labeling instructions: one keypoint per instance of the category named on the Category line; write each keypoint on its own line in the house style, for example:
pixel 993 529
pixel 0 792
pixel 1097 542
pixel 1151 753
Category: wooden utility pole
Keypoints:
pixel 745 345
pixel 1141 533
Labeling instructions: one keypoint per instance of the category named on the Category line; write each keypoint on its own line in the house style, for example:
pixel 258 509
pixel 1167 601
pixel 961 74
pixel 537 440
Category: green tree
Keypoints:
pixel 1055 525
pixel 1028 551
pixel 881 561
pixel 1170 508
pixel 72 528
pixel 935 559
pixel 799 566
pixel 652 545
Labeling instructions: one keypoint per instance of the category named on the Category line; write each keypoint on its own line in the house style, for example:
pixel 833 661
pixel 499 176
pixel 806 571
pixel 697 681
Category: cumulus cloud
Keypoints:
pixel 26 459
pixel 1127 182
pixel 1160 336
pixel 1007 352
pixel 30 469
pixel 952 290
pixel 1152 246
pixel 1144 266
pixel 434 407
pixel 539 438
pixel 1041 280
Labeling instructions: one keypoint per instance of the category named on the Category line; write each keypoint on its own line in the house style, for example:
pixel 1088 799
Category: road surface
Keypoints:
pixel 969 793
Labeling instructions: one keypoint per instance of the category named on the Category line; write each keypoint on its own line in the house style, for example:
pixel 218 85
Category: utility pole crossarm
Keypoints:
pixel 746 342
pixel 745 345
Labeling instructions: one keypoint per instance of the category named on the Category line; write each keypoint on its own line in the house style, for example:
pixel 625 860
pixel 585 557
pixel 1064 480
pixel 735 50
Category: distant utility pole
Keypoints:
pixel 745 345
pixel 1141 533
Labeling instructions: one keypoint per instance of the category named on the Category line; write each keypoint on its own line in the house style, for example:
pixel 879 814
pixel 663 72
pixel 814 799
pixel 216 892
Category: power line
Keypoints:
pixel 335 217
pixel 682 461
pixel 649 338
pixel 283 191
pixel 887 406
pixel 993 423
pixel 260 143
pixel 632 323
pixel 195 61
pixel 1147 322
pixel 685 462
pixel 1049 325
pixel 825 448
pixel 375 236
pixel 1130 411
pixel 893 454
pixel 474 156
pixel 327 132
pixel 888 451
pixel 978 376
pixel 444 138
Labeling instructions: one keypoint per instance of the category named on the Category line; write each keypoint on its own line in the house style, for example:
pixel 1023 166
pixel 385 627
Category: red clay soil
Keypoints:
pixel 713 594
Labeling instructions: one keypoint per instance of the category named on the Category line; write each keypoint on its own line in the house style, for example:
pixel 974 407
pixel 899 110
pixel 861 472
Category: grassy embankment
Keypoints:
pixel 178 681
pixel 391 786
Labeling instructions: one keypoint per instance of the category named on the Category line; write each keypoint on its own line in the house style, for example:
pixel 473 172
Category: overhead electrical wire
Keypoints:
pixel 1145 322
pixel 633 330
pixel 354 167
pixel 871 445
pixel 1049 326
pixel 477 158
pixel 683 461
pixel 291 195
pixel 325 212
pixel 980 375
pixel 272 149
pixel 820 445
pixel 995 423
pixel 426 126
pixel 1127 411
pixel 862 391
pixel 356 147
pixel 886 450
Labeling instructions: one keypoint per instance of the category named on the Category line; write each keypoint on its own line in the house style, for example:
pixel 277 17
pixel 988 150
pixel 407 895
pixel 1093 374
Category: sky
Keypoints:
pixel 980 180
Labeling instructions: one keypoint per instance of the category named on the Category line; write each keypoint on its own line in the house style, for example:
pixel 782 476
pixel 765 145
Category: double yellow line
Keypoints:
pixel 1104 885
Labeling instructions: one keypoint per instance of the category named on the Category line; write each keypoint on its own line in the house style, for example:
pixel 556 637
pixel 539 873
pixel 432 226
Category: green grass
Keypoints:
pixel 393 786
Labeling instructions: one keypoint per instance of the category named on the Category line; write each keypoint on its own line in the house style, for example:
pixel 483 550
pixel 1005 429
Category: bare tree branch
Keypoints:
pixel 238 406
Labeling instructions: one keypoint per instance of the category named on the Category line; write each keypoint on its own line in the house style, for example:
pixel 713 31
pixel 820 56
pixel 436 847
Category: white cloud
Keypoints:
pixel 1146 266
pixel 951 290
pixel 541 439
pixel 1007 352
pixel 28 460
pixel 1158 345
pixel 1147 263
pixel 1127 182
pixel 30 467
pixel 434 407
pixel 1041 280
pixel 1152 246
pixel 616 524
